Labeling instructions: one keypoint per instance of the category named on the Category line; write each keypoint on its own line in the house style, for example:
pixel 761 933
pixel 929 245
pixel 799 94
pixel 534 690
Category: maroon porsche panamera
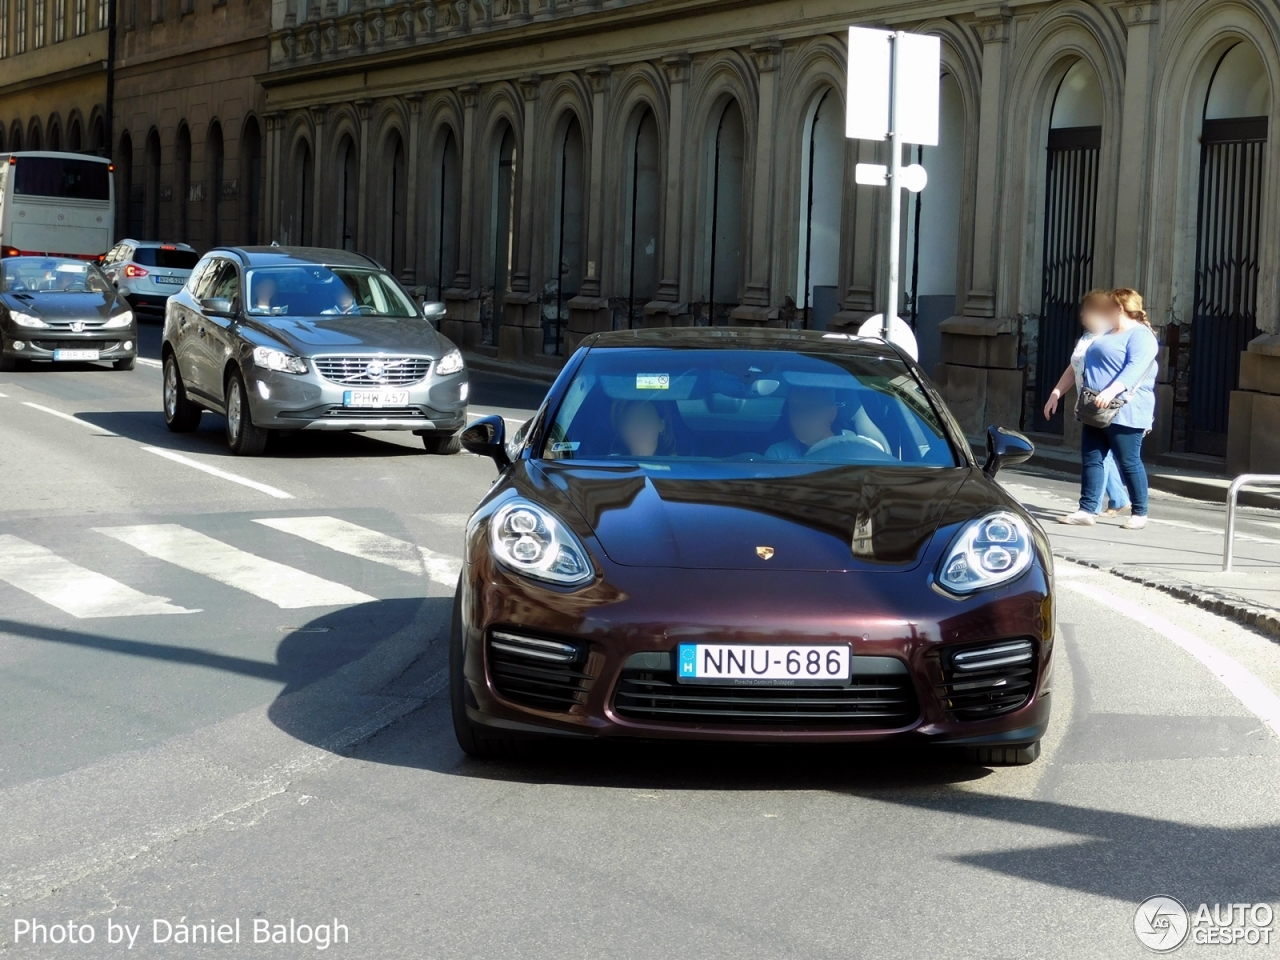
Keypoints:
pixel 750 535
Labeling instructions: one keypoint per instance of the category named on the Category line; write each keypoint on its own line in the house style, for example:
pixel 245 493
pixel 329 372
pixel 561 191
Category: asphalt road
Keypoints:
pixel 222 697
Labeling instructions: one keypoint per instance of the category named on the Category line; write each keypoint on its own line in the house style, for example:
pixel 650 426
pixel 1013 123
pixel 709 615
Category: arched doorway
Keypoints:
pixel 34 140
pixel 124 187
pixel 250 182
pixel 348 193
pixel 934 225
pixel 502 220
pixel 300 229
pixel 568 240
pixel 75 136
pixel 215 173
pixel 55 133
pixel 724 214
pixel 151 204
pixel 15 137
pixel 448 184
pixel 1070 215
pixel 821 190
pixel 1233 138
pixel 182 182
pixel 396 204
pixel 98 137
pixel 644 211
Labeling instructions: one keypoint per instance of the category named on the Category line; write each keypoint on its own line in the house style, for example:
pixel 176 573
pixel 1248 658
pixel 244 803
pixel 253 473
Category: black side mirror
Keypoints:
pixel 1005 448
pixel 216 306
pixel 487 437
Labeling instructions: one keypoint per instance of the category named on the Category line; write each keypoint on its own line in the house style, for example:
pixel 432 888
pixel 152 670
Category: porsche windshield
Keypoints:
pixel 647 405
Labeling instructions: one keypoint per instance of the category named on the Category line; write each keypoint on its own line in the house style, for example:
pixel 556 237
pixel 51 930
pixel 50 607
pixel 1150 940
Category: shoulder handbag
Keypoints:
pixel 1087 411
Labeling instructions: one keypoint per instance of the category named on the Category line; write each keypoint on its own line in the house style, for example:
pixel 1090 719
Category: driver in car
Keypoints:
pixel 811 414
pixel 264 293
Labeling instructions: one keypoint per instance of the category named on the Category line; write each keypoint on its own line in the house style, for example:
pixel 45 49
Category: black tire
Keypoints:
pixel 180 414
pixel 128 363
pixel 1017 756
pixel 244 439
pixel 442 444
pixel 472 738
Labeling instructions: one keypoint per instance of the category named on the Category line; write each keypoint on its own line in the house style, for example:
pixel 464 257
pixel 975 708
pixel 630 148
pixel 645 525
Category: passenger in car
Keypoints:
pixel 642 430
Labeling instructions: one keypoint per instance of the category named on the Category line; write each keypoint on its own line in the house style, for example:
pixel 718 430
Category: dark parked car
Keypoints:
pixel 61 309
pixel 282 339
pixel 750 535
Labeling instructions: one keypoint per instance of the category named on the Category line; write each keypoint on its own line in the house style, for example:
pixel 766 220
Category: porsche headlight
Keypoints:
pixel 271 359
pixel 119 320
pixel 449 364
pixel 990 551
pixel 26 319
pixel 531 541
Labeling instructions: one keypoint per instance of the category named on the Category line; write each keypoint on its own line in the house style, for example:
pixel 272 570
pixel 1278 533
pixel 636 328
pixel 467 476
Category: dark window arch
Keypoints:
pixel 151 205
pixel 448 190
pixel 250 182
pixel 215 176
pixel 725 213
pixel 348 194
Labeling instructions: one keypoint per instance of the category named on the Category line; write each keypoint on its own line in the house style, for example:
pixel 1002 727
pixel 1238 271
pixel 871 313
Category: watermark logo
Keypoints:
pixel 1161 924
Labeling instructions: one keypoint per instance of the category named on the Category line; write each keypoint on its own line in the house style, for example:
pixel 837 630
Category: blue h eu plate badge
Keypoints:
pixel 688 660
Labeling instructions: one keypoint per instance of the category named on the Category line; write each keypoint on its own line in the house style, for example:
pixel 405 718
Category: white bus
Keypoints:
pixel 59 204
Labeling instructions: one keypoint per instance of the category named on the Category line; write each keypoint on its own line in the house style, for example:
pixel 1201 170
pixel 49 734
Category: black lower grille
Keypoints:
pixel 988 680
pixel 537 672
pixel 100 345
pixel 872 702
pixel 375 413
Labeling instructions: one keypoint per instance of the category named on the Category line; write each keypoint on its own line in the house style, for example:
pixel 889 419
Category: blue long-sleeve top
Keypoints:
pixel 1127 356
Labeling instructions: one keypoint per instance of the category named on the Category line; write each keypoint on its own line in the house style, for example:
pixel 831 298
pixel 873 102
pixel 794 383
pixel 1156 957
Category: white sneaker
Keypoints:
pixel 1079 519
pixel 1134 523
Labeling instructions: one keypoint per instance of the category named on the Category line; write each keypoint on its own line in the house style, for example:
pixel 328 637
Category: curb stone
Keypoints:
pixel 1262 619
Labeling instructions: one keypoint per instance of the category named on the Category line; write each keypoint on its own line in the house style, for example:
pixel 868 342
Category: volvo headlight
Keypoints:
pixel 531 541
pixel 272 359
pixel 26 319
pixel 450 363
pixel 119 320
pixel 989 551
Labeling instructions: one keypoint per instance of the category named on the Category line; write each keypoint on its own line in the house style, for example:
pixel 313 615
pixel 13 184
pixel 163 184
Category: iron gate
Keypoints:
pixel 1071 202
pixel 1225 316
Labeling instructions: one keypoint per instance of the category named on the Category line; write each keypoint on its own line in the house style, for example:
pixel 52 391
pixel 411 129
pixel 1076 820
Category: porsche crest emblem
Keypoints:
pixel 764 553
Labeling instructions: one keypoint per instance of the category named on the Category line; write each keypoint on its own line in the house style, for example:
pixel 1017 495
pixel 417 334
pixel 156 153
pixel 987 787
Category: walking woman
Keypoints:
pixel 1117 408
pixel 1098 315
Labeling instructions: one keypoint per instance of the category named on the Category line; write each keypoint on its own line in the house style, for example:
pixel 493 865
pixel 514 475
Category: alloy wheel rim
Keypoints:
pixel 233 412
pixel 170 390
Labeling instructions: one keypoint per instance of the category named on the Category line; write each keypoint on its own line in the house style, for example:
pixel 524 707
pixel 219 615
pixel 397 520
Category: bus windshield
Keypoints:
pixel 69 178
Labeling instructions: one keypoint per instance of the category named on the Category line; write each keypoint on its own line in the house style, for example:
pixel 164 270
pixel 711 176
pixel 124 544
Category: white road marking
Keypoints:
pixel 148 362
pixel 214 471
pixel 72 588
pixel 4 396
pixel 357 541
pixel 66 416
pixel 276 583
pixel 1256 696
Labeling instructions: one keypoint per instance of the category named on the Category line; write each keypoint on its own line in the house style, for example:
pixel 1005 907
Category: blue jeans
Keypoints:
pixel 1125 443
pixel 1113 486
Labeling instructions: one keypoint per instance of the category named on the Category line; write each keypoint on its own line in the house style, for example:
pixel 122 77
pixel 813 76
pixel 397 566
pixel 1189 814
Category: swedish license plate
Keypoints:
pixel 75 354
pixel 375 398
pixel 176 281
pixel 824 665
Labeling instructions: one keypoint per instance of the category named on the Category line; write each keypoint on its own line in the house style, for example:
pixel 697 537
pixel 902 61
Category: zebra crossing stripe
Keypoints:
pixel 357 541
pixel 81 592
pixel 285 586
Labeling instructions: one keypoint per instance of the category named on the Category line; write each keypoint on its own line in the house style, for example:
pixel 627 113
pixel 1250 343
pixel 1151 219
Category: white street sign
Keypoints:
pixel 919 65
pixel 867 95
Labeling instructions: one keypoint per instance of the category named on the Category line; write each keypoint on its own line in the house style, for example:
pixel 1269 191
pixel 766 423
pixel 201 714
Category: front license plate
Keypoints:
pixel 761 665
pixel 375 398
pixel 75 355
pixel 176 281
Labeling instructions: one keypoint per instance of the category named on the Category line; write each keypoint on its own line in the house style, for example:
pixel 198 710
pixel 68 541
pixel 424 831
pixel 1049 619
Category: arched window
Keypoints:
pixel 15 137
pixel 502 222
pixel 934 225
pixel 34 140
pixel 250 182
pixel 55 133
pixel 98 137
pixel 75 136
pixel 152 203
pixel 124 187
pixel 396 206
pixel 725 221
pixel 448 188
pixel 1233 140
pixel 644 215
pixel 215 175
pixel 1070 218
pixel 300 230
pixel 568 246
pixel 348 193
pixel 182 183
pixel 821 191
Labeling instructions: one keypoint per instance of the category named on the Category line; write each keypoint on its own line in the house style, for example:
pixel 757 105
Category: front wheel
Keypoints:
pixel 445 444
pixel 243 437
pixel 180 414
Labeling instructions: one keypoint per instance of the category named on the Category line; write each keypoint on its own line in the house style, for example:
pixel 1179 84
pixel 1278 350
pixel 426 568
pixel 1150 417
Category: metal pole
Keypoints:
pixel 895 204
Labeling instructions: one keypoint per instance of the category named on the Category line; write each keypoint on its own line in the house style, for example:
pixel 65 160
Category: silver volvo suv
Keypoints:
pixel 291 338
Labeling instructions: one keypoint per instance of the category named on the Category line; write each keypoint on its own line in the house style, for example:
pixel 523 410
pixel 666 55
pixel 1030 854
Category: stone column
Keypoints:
pixel 320 235
pixel 589 311
pixel 754 308
pixel 273 178
pixel 364 108
pixel 667 303
pixel 520 335
pixel 462 320
pixel 409 275
pixel 979 374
